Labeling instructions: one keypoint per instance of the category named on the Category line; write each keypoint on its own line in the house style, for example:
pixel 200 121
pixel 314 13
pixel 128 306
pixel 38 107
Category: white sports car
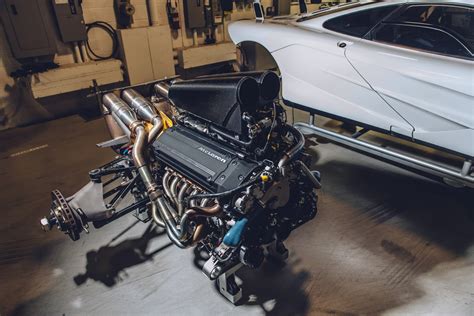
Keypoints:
pixel 401 67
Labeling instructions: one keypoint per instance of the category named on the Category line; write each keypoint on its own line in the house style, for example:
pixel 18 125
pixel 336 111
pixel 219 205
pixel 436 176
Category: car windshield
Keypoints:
pixel 333 9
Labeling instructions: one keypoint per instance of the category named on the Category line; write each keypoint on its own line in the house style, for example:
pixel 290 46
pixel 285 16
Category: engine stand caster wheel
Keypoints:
pixel 228 286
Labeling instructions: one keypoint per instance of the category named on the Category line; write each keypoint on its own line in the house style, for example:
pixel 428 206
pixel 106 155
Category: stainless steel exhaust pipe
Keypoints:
pixel 118 106
pixel 182 192
pixel 144 110
pixel 142 106
pixel 193 203
pixel 165 183
pixel 174 190
pixel 115 130
pixel 162 212
pixel 204 202
pixel 121 125
pixel 121 110
pixel 162 89
pixel 291 153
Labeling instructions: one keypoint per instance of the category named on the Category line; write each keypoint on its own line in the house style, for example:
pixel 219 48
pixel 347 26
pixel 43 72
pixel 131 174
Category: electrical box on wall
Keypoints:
pixel 28 27
pixel 282 7
pixel 70 20
pixel 227 5
pixel 217 12
pixel 194 14
pixel 124 11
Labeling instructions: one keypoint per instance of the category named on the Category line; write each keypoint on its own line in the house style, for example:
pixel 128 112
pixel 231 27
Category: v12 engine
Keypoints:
pixel 211 161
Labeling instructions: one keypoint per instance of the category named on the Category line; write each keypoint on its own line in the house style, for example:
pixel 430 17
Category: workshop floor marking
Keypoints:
pixel 27 151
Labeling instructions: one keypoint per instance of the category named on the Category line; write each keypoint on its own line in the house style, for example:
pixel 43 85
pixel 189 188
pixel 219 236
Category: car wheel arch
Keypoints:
pixel 255 56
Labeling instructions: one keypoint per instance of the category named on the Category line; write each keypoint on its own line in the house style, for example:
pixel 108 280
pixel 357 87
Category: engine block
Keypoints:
pixel 213 166
pixel 210 161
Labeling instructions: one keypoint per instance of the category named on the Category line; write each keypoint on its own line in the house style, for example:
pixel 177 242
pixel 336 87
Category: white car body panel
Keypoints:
pixel 426 96
pixel 433 93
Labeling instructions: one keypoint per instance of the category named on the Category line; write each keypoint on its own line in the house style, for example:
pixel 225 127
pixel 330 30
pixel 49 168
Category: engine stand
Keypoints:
pixel 228 286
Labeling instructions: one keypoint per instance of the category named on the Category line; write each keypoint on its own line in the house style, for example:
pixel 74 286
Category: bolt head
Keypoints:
pixel 45 225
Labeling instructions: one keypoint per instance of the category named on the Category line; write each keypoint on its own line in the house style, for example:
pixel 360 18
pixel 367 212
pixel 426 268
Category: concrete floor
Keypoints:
pixel 384 241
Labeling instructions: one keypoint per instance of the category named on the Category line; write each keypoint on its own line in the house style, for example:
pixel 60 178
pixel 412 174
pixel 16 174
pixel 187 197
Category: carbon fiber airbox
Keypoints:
pixel 220 101
pixel 209 164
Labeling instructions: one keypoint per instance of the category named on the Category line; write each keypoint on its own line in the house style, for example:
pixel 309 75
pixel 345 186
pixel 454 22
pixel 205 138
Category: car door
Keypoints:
pixel 420 61
pixel 314 69
pixel 316 73
pixel 320 78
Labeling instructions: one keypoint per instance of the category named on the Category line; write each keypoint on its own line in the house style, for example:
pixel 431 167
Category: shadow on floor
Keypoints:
pixel 413 225
pixel 275 286
pixel 441 214
pixel 107 263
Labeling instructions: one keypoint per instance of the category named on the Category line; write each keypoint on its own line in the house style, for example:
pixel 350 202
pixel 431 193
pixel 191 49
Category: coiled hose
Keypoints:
pixel 110 31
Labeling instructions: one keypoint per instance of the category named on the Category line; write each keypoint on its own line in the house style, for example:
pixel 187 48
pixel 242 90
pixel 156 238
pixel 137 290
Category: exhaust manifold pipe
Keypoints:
pixel 129 120
pixel 144 110
pixel 163 214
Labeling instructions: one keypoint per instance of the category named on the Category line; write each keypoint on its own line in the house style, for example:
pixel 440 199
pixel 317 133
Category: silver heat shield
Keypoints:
pixel 90 200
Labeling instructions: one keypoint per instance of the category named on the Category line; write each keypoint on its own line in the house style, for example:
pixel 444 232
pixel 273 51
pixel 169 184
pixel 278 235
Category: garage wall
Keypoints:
pixel 5 81
pixel 17 105
pixel 103 10
pixel 95 10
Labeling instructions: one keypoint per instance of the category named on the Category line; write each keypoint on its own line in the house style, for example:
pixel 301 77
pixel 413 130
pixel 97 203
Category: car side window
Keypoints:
pixel 359 23
pixel 457 20
pixel 421 37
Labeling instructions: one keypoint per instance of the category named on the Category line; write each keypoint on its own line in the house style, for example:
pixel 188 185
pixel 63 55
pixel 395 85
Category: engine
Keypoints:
pixel 211 161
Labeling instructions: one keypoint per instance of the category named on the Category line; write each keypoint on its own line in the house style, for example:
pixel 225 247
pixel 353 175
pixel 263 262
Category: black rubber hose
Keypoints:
pixel 110 31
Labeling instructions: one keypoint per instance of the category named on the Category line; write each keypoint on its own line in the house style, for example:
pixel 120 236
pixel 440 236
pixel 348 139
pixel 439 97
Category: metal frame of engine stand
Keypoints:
pixel 450 175
pixel 275 250
pixel 223 284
